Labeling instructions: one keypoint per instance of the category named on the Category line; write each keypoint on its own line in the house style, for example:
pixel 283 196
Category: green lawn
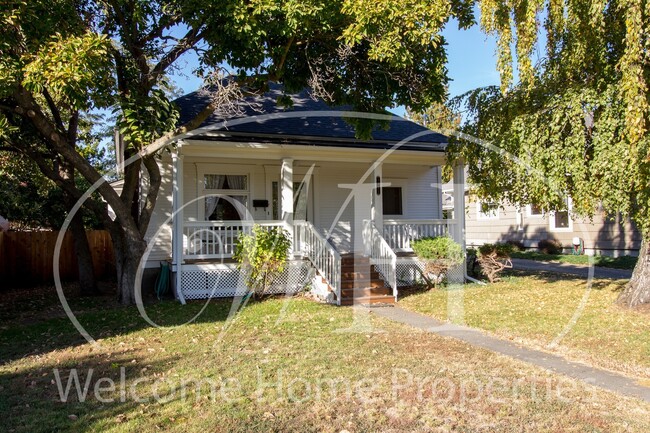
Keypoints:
pixel 536 309
pixel 622 262
pixel 307 364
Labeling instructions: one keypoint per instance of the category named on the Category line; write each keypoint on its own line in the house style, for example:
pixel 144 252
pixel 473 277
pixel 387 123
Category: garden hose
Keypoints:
pixel 162 281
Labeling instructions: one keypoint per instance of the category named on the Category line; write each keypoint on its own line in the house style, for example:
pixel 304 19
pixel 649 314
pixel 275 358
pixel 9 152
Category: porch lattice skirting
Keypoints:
pixel 409 273
pixel 222 280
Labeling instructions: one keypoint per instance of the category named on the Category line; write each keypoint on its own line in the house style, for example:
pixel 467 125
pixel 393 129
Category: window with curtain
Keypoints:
pixel 300 204
pixel 225 181
pixel 220 185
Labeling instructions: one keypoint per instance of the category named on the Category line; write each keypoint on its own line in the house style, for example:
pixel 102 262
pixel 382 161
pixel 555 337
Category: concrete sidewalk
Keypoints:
pixel 567 268
pixel 592 376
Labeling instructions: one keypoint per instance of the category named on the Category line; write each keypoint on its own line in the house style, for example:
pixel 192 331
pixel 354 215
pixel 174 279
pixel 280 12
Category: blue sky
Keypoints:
pixel 471 59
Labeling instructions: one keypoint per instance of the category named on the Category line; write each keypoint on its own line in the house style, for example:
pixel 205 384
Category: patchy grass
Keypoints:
pixel 284 367
pixel 622 262
pixel 537 309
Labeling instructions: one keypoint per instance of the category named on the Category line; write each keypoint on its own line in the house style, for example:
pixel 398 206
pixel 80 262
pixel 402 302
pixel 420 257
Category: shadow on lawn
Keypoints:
pixel 31 400
pixel 554 277
pixel 512 275
pixel 42 331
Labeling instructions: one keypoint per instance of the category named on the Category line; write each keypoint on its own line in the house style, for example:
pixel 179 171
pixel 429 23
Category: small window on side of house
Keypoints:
pixel 487 210
pixel 534 210
pixel 560 220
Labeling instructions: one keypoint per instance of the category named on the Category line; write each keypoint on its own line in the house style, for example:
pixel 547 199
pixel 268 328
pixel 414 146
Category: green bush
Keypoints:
pixel 438 254
pixel 550 246
pixel 438 248
pixel 262 255
pixel 501 249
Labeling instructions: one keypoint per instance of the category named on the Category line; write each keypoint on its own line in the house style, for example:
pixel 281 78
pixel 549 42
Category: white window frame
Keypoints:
pixel 530 214
pixel 551 222
pixel 204 191
pixel 480 216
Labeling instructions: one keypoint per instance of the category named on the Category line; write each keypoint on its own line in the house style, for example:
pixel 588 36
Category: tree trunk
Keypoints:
pixel 87 281
pixel 128 253
pixel 86 270
pixel 637 291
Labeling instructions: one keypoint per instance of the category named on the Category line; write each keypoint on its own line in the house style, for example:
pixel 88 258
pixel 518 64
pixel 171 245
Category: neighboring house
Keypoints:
pixel 528 225
pixel 349 204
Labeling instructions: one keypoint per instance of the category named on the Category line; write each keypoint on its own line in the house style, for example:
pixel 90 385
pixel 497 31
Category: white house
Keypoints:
pixel 351 205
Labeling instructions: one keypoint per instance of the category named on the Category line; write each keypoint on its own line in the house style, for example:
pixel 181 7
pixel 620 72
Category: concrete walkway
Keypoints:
pixel 593 376
pixel 567 268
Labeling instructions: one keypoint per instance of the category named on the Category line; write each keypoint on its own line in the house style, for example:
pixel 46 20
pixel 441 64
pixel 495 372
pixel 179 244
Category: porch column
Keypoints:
pixel 377 210
pixel 456 275
pixel 177 218
pixel 286 194
pixel 458 232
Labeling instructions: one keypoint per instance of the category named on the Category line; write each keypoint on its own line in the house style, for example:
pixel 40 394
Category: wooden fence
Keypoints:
pixel 26 257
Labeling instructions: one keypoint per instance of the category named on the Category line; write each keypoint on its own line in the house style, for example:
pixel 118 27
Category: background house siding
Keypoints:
pixel 617 236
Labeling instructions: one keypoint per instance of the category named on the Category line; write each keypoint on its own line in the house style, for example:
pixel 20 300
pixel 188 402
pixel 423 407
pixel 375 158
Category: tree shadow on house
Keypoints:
pixel 618 236
pixel 527 236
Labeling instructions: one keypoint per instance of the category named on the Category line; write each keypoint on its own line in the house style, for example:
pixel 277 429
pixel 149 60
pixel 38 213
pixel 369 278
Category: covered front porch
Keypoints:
pixel 328 214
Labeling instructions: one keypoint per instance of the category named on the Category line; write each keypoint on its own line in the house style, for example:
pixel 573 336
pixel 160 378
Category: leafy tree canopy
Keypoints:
pixel 60 59
pixel 575 123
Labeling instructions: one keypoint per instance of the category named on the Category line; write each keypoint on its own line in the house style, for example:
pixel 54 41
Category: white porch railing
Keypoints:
pixel 381 254
pixel 400 233
pixel 321 253
pixel 217 239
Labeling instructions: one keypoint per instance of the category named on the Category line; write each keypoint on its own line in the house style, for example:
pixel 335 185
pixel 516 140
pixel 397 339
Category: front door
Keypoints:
pixel 303 198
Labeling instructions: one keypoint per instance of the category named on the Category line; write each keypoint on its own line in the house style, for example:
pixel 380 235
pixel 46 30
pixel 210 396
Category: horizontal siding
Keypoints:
pixel 422 189
pixel 159 230
pixel 331 201
pixel 600 235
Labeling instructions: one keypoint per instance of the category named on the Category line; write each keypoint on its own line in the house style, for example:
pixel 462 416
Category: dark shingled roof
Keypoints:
pixel 318 131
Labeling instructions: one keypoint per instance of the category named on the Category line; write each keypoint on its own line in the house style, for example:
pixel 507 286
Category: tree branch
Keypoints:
pixel 156 32
pixel 53 109
pixel 186 43
pixel 67 185
pixel 46 129
pixel 73 126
